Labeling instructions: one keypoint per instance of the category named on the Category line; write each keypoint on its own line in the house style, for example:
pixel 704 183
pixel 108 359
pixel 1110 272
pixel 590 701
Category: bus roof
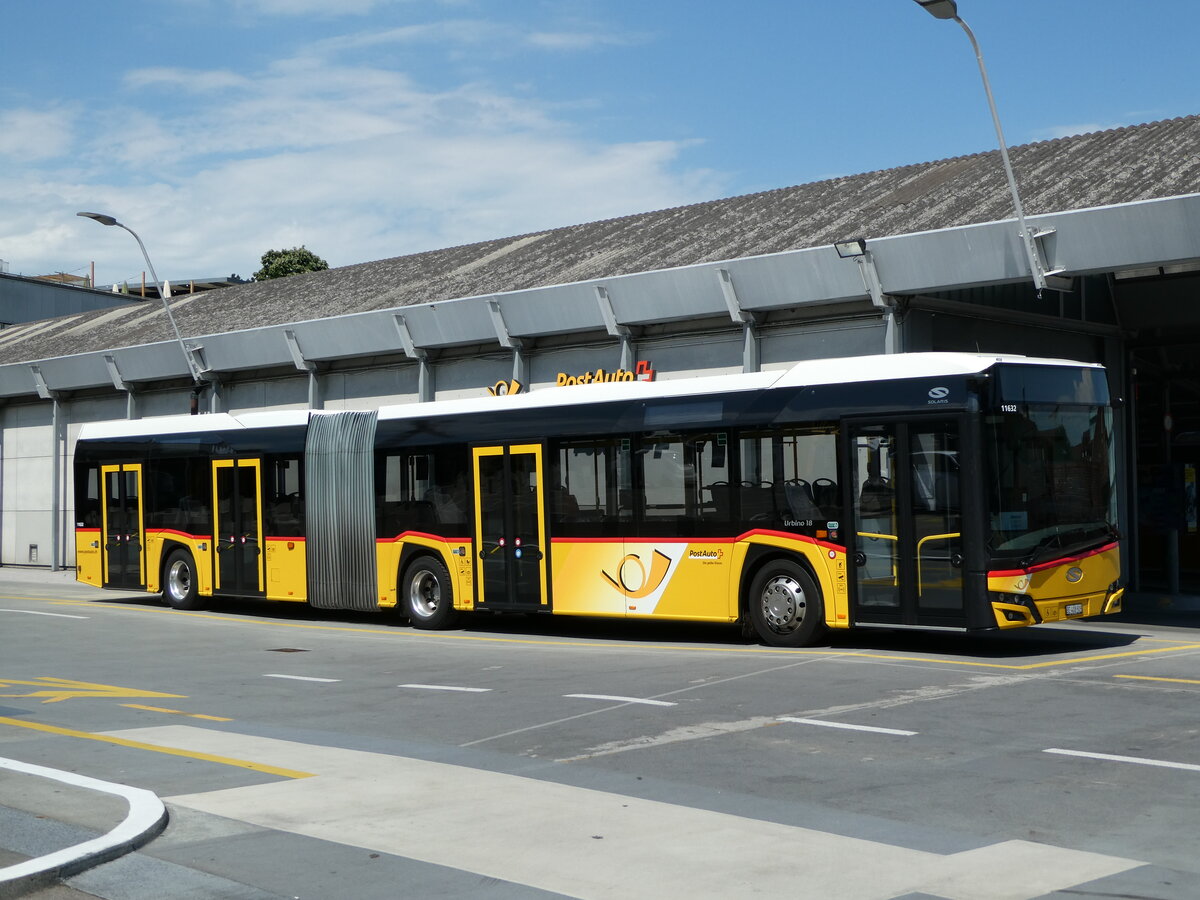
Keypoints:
pixel 841 370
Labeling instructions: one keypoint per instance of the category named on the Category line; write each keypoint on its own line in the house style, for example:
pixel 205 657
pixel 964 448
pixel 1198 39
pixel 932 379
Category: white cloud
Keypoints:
pixel 355 162
pixel 30 134
pixel 323 8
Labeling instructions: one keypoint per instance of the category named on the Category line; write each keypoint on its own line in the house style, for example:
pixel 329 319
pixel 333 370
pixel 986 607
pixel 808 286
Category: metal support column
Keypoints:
pixel 120 384
pixel 304 365
pixel 520 369
pixel 615 328
pixel 747 319
pixel 43 391
pixel 425 385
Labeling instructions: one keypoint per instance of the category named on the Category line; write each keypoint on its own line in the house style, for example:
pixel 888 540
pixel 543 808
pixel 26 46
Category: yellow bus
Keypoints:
pixel 948 491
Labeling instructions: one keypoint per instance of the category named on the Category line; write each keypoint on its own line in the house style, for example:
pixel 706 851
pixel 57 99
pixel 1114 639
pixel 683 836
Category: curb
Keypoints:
pixel 146 819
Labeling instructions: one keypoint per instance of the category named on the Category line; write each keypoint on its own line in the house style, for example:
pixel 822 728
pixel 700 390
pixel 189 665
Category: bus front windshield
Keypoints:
pixel 1051 481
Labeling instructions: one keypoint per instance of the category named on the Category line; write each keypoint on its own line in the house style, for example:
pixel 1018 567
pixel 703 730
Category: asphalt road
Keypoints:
pixel 311 754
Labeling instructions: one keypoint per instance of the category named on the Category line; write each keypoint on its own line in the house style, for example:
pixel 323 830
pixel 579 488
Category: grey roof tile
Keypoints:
pixel 1140 162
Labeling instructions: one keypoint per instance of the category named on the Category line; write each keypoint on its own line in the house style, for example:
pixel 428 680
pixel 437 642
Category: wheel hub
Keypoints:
pixel 783 603
pixel 179 581
pixel 426 593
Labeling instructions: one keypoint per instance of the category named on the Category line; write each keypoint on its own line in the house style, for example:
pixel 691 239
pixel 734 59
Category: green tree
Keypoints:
pixel 282 263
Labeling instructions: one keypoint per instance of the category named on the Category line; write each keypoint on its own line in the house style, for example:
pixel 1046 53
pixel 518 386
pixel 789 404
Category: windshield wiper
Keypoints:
pixel 1056 541
pixel 1050 540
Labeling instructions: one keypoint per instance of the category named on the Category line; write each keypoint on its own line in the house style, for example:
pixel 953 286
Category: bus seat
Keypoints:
pixel 801 504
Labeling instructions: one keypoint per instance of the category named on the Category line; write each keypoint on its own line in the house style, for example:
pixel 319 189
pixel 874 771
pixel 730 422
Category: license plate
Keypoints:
pixel 1074 609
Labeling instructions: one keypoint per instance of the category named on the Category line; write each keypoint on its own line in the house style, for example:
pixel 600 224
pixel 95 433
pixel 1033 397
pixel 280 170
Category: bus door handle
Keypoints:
pixel 956 560
pixel 860 558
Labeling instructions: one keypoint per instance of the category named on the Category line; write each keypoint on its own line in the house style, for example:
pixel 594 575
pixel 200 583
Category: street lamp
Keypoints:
pixel 164 290
pixel 948 9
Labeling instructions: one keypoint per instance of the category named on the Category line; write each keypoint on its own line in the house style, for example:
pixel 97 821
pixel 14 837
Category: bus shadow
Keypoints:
pixel 1041 641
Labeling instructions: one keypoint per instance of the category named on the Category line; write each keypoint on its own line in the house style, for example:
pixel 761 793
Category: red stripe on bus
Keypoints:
pixel 87 530
pixel 182 534
pixel 423 534
pixel 1041 567
pixel 803 538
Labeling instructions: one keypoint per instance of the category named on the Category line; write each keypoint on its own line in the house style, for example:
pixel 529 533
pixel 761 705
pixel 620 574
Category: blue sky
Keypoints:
pixel 364 129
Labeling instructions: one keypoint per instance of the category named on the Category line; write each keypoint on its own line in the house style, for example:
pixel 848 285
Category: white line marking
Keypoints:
pixel 617 699
pixel 34 612
pixel 846 725
pixel 146 818
pixel 444 687
pixel 1162 763
pixel 305 678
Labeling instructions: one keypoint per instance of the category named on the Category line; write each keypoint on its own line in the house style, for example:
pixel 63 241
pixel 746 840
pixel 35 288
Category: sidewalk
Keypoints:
pixel 54 824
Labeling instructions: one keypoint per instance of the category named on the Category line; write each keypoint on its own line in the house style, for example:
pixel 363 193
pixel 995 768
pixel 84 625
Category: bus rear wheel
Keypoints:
pixel 427 595
pixel 180 590
pixel 785 605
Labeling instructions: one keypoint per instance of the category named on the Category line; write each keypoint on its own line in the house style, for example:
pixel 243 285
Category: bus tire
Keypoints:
pixel 784 604
pixel 180 589
pixel 426 594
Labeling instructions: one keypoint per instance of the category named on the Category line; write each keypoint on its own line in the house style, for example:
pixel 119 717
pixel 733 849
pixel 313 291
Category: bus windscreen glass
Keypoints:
pixel 1051 481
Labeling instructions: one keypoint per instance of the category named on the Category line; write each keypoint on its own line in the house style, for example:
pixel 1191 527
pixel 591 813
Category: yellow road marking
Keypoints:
pixel 170 751
pixel 1152 678
pixel 176 712
pixel 55 690
pixel 770 651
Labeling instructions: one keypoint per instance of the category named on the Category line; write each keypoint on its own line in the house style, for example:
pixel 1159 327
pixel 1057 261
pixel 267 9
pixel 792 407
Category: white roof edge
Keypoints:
pixel 188 424
pixel 840 370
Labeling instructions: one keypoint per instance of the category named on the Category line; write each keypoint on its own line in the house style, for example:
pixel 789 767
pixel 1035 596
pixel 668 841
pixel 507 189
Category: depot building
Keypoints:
pixel 917 258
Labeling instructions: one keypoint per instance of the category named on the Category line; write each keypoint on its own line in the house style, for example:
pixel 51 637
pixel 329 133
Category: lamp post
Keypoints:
pixel 163 288
pixel 948 9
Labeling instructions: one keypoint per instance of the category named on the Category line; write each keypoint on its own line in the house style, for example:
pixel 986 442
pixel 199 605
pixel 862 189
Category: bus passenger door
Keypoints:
pixel 237 526
pixel 510 527
pixel 907 530
pixel 122 525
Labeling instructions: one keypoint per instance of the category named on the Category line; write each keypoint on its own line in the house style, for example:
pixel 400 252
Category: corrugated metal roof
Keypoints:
pixel 1140 162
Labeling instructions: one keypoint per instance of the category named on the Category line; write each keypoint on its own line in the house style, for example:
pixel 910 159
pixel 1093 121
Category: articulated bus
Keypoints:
pixel 932 490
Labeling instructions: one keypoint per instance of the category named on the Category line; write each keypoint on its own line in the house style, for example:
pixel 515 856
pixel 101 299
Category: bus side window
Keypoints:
pixel 284 488
pixel 423 491
pixel 583 493
pixel 789 476
pixel 87 498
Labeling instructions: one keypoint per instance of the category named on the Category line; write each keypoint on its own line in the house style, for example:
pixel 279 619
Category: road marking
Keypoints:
pixel 617 699
pixel 827 724
pixel 1137 760
pixel 305 678
pixel 657 648
pixel 156 748
pixel 594 844
pixel 34 612
pixel 145 819
pixel 177 712
pixel 1153 678
pixel 55 690
pixel 445 687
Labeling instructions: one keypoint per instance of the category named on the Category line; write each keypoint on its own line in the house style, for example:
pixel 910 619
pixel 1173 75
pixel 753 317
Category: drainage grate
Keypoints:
pixel 286 650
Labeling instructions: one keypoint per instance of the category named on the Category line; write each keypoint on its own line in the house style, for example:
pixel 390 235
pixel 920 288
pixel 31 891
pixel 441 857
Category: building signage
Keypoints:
pixel 641 372
pixel 504 388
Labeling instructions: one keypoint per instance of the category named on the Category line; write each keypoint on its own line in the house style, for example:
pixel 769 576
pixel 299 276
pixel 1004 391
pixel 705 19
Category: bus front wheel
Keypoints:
pixel 427 594
pixel 785 605
pixel 180 590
